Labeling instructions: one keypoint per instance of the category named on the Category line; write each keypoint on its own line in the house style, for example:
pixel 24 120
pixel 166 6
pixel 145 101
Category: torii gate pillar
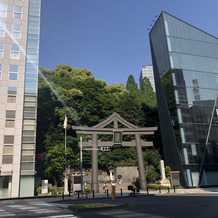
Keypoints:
pixel 94 163
pixel 143 182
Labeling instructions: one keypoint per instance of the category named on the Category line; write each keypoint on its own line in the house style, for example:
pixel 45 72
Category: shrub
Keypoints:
pixel 87 190
pixel 152 175
pixel 60 190
pixel 156 186
pixel 39 190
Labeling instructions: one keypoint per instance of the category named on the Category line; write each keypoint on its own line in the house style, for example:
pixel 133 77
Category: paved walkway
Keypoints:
pixel 198 191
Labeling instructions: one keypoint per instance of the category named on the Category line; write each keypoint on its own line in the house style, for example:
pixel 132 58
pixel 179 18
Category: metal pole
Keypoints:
pixel 65 174
pixel 81 165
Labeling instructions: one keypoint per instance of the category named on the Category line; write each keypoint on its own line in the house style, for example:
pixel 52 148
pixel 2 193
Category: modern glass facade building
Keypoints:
pixel 185 62
pixel 19 51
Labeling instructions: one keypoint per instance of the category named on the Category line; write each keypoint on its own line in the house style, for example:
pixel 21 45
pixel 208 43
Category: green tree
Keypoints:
pixel 87 101
pixel 131 85
pixel 147 94
pixel 55 164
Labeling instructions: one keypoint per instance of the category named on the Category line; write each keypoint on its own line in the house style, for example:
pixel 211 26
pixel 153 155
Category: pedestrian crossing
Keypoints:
pixel 39 209
pixel 4 213
pixel 35 209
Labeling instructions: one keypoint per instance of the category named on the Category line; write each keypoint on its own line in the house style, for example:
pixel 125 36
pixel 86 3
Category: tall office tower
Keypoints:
pixel 19 51
pixel 147 71
pixel 185 62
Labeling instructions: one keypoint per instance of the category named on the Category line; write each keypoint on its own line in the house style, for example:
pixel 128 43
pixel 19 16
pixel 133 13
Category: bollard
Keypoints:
pixel 93 194
pixel 62 195
pixel 168 189
pixel 121 192
pixel 147 191
pixel 113 193
pixel 134 192
pixel 159 190
pixel 174 188
pixel 78 195
pixel 107 193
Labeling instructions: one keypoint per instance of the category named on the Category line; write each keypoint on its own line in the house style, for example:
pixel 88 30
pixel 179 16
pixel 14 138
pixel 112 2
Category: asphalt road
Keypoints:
pixel 159 206
pixel 155 206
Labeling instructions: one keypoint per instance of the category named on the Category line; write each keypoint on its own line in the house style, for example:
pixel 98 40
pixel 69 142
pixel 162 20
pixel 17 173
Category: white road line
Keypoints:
pixel 43 211
pixel 4 214
pixel 43 204
pixel 61 216
pixel 15 206
pixel 22 207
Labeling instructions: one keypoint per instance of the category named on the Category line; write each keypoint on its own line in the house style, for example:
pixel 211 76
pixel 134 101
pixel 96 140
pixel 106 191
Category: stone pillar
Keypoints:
pixel 143 183
pixel 163 181
pixel 95 187
pixel 162 170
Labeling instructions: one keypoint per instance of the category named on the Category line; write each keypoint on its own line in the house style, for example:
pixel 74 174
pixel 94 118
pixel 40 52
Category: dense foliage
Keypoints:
pixel 87 101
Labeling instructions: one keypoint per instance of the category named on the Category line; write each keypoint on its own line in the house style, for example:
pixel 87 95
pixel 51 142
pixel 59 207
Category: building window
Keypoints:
pixel 17 12
pixel 13 72
pixel 27 166
pixel 28 139
pixel 3 10
pixel 16 31
pixel 10 114
pixel 10 118
pixel 9 139
pixel 2 29
pixel 28 152
pixel 28 158
pixel 15 51
pixel 0 71
pixel 8 149
pixel 11 99
pixel 9 123
pixel 7 159
pixel 1 49
pixel 12 90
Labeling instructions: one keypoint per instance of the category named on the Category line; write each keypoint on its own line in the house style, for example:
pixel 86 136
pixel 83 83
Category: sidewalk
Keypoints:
pixel 142 193
pixel 119 194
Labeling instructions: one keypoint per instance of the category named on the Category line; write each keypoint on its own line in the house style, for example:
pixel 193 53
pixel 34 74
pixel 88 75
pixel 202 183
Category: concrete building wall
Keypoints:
pixel 16 19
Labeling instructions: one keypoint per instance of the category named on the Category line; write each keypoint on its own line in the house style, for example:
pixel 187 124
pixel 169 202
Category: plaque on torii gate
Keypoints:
pixel 126 129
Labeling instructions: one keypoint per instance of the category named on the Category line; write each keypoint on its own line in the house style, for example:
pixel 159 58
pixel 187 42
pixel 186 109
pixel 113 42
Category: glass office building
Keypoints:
pixel 185 62
pixel 19 51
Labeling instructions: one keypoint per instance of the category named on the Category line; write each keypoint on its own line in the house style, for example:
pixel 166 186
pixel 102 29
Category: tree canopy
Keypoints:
pixel 87 101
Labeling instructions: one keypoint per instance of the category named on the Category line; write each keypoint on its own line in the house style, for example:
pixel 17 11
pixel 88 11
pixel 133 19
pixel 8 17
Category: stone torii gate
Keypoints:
pixel 121 127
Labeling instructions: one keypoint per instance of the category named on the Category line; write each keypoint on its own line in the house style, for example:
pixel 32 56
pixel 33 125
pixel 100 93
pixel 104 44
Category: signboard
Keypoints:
pixel 105 149
pixel 117 138
pixel 45 186
pixel 76 180
pixel 175 180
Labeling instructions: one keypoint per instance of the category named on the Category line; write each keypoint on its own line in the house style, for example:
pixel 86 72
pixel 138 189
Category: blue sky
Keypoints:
pixel 110 37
